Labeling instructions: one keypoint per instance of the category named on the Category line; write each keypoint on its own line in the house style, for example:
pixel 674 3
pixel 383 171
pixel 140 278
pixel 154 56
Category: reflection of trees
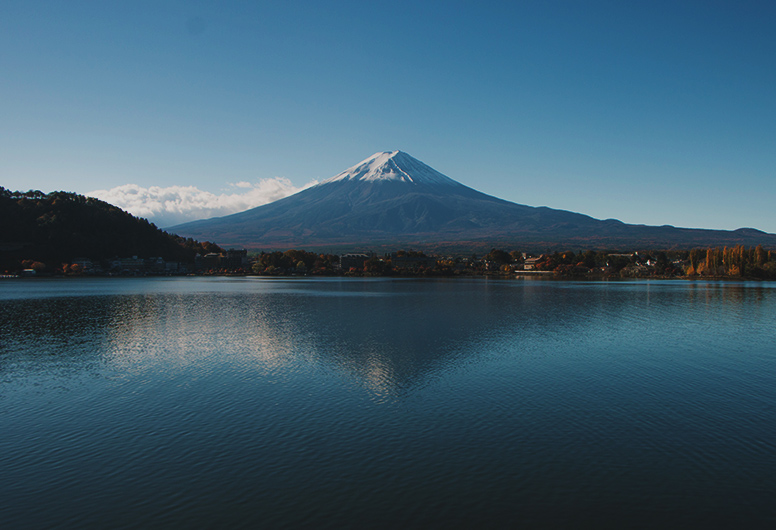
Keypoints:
pixel 184 331
pixel 388 335
pixel 53 335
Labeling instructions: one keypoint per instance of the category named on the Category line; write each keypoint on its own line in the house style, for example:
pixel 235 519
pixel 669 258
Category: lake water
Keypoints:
pixel 379 403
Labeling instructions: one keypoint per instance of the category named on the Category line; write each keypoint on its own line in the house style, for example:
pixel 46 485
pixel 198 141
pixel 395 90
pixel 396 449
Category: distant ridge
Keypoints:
pixel 393 199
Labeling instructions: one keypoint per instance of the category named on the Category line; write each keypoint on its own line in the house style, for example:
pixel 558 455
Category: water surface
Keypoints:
pixel 245 402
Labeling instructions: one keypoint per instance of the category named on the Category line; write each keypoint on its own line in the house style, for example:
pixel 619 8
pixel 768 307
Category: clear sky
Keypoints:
pixel 654 112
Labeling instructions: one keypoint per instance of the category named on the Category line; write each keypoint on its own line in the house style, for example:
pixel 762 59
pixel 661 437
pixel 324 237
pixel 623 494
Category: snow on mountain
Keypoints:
pixel 392 166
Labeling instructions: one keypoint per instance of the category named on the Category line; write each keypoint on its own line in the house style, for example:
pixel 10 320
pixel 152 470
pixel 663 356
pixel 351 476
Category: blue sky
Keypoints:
pixel 648 112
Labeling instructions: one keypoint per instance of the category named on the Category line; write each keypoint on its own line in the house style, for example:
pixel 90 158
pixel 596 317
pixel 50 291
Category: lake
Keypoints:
pixel 386 403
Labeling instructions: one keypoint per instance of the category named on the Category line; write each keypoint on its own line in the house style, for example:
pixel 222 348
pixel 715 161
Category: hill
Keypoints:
pixel 57 227
pixel 392 199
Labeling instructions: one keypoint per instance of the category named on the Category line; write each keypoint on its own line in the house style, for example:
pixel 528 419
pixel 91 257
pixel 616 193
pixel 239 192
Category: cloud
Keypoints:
pixel 179 204
pixel 241 184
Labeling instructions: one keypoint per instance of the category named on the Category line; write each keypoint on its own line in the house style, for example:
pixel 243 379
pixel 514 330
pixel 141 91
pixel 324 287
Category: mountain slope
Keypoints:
pixel 58 227
pixel 393 198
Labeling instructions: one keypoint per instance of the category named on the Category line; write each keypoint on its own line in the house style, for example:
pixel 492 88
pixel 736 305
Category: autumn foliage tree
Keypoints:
pixel 737 261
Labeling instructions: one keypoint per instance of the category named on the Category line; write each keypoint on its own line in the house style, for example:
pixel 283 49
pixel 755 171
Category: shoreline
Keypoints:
pixel 520 275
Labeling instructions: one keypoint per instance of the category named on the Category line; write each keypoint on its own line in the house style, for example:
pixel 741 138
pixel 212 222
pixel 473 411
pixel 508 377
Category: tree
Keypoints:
pixel 661 263
pixel 498 256
pixel 375 266
pixel 759 256
pixel 588 259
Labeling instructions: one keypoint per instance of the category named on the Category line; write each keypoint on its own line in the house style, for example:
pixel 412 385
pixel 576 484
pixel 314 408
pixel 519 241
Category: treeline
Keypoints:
pixel 54 228
pixel 728 262
pixel 613 263
pixel 400 263
pixel 300 261
pixel 737 261
pixel 194 247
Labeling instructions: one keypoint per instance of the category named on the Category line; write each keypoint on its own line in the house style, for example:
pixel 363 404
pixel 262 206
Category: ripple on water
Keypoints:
pixel 245 403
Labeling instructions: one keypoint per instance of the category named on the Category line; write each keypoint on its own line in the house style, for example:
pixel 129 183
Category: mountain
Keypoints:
pixel 393 199
pixel 57 227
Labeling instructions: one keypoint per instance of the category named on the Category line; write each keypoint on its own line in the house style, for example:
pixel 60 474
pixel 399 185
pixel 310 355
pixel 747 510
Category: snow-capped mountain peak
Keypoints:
pixel 392 166
pixel 392 200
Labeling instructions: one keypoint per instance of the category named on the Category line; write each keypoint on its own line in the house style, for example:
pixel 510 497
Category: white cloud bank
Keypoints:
pixel 179 204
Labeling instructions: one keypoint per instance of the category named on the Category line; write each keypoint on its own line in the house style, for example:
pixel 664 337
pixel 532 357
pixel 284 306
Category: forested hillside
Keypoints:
pixel 59 226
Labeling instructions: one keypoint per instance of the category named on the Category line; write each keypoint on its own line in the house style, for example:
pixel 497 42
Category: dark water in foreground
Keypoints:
pixel 222 403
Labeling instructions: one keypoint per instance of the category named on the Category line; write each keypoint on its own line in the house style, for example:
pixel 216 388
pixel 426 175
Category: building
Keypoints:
pixel 414 261
pixel 353 261
pixel 235 259
pixel 530 263
pixel 211 261
pixel 85 263
pixel 125 265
